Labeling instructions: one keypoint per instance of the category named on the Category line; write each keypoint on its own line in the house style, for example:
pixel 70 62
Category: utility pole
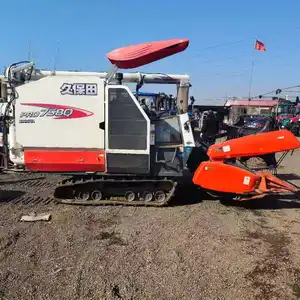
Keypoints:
pixel 251 78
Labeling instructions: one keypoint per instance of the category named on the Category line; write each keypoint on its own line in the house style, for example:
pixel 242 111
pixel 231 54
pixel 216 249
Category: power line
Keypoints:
pixel 274 91
pixel 220 45
pixel 226 58
pixel 249 54
pixel 230 74
pixel 240 41
pixel 259 61
pixel 250 38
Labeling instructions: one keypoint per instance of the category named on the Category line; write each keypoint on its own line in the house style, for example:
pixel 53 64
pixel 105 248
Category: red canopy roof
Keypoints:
pixel 138 55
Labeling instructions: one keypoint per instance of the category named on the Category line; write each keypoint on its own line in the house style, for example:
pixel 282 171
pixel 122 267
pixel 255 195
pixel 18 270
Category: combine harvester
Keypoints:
pixel 83 138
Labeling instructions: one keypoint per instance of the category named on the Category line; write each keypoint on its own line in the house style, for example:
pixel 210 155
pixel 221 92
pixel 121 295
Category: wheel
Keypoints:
pixel 160 196
pixel 96 195
pixel 130 196
pixel 83 196
pixel 147 196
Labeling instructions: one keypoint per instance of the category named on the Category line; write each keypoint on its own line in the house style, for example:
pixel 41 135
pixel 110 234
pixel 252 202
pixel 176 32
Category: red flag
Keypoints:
pixel 260 46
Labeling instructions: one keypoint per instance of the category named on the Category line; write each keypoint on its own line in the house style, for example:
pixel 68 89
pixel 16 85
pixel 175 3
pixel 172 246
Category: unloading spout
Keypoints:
pixel 183 95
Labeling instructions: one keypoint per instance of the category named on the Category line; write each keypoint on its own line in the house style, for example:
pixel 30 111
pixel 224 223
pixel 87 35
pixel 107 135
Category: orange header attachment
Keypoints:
pixel 253 145
pixel 220 177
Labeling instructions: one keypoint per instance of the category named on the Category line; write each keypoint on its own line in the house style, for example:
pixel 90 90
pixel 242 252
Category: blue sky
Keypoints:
pixel 221 34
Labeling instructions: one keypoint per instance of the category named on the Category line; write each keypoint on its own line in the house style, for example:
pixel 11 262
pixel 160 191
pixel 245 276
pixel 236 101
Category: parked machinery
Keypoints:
pixel 294 123
pixel 93 142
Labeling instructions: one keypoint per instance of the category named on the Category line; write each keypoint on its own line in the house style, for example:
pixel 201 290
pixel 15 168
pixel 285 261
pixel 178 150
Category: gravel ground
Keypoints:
pixel 195 249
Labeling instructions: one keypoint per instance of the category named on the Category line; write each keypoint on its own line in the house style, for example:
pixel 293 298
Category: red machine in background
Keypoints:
pixel 294 124
pixel 95 143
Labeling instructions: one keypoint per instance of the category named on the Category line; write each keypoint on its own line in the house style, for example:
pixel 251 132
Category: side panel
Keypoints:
pixel 52 112
pixel 127 132
pixel 58 123
pixel 52 160
pixel 127 163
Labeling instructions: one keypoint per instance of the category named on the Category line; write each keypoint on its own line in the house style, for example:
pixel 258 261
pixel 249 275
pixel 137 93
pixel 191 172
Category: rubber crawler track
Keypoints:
pixel 28 189
pixel 31 189
pixel 71 184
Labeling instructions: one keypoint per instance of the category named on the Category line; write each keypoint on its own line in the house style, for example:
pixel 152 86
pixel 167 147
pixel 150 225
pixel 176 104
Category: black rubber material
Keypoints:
pixel 65 193
pixel 33 188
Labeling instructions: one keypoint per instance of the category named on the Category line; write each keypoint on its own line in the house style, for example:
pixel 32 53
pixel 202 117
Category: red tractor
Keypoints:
pixel 294 124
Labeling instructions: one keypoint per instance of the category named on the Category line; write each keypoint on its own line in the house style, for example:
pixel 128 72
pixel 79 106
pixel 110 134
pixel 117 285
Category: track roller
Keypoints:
pixel 82 196
pixel 160 196
pixel 96 195
pixel 130 196
pixel 147 196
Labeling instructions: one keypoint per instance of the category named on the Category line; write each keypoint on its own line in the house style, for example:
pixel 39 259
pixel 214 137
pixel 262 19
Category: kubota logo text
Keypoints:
pixel 52 110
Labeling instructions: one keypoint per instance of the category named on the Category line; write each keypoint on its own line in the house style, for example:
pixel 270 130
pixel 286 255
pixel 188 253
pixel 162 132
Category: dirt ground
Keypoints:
pixel 195 249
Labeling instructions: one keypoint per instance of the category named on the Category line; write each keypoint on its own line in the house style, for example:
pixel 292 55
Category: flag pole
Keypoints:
pixel 251 79
pixel 261 47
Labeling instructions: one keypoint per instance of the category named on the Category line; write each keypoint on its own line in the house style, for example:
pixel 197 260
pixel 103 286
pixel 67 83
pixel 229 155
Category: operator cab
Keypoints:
pixel 154 118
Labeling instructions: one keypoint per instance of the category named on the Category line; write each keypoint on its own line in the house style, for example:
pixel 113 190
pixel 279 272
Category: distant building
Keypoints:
pixel 263 106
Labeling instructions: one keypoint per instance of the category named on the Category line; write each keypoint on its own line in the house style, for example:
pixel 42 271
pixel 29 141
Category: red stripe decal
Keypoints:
pixel 67 112
pixel 65 161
